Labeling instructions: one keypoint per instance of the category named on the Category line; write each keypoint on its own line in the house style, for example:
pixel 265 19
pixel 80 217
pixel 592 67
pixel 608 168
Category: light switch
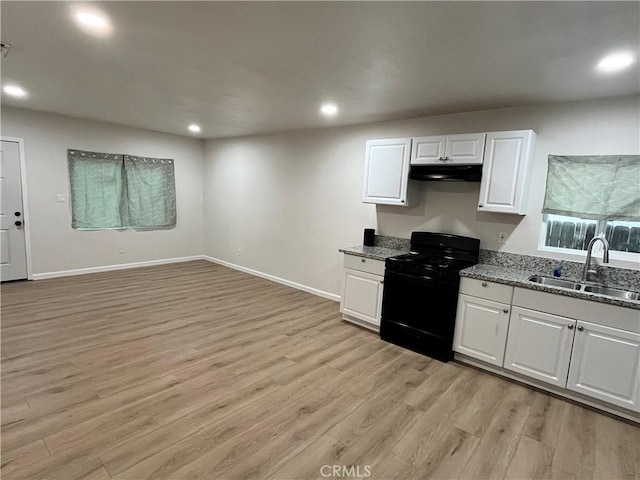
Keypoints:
pixel 61 198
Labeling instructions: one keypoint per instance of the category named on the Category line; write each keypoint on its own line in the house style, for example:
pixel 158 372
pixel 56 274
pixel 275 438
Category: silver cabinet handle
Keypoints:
pixel 362 260
pixel 580 329
pixel 505 310
pixel 446 159
pixel 481 205
pixel 570 326
pixel 484 284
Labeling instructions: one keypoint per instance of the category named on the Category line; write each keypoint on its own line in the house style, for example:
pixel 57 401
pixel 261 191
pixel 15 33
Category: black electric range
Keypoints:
pixel 421 292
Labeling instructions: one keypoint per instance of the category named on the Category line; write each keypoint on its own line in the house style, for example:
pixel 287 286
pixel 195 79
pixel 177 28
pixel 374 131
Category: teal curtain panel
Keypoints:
pixel 151 192
pixel 97 188
pixel 603 187
pixel 113 191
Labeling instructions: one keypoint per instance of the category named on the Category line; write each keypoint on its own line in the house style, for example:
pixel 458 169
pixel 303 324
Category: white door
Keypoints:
pixel 465 149
pixel 386 171
pixel 362 296
pixel 481 329
pixel 507 161
pixel 13 259
pixel 539 345
pixel 428 150
pixel 606 365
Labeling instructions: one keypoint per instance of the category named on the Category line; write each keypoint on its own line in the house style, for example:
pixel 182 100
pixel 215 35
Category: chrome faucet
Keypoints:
pixel 586 272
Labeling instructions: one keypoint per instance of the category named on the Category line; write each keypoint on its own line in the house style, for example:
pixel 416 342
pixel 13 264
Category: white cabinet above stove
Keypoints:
pixel 463 149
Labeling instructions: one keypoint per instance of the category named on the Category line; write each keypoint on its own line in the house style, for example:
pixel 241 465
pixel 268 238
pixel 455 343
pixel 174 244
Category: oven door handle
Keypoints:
pixel 410 277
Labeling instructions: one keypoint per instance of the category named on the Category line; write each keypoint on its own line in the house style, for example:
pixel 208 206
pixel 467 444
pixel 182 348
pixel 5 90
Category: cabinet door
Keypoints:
pixel 386 171
pixel 507 165
pixel 428 150
pixel 465 149
pixel 539 345
pixel 606 365
pixel 362 296
pixel 481 329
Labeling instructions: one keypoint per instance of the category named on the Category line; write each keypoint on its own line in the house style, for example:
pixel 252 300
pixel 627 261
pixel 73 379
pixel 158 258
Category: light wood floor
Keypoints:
pixel 197 371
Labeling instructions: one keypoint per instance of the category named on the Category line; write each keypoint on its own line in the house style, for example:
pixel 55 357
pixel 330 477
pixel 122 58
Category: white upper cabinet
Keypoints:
pixel 386 171
pixel 463 149
pixel 428 150
pixel 506 172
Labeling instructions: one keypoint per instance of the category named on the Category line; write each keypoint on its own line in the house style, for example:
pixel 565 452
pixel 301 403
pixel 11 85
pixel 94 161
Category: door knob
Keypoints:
pixel 570 326
pixel 580 329
pixel 17 214
pixel 18 223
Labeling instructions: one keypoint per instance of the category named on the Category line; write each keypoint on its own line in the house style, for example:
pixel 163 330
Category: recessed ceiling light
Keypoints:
pixel 616 62
pixel 329 109
pixel 92 21
pixel 193 128
pixel 14 91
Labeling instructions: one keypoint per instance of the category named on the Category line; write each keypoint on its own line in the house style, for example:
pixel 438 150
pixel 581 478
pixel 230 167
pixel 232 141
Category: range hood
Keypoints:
pixel 446 173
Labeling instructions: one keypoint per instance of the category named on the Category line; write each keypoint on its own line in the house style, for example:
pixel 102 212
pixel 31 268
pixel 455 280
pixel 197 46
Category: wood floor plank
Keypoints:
pixel 532 459
pixel 23 456
pixel 448 455
pixel 195 370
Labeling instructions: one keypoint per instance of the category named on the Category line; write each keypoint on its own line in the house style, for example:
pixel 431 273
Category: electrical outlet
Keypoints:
pixel 502 237
pixel 121 250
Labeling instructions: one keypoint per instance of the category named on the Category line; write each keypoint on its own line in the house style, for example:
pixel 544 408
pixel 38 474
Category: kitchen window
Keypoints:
pixel 574 233
pixel 589 196
pixel 113 191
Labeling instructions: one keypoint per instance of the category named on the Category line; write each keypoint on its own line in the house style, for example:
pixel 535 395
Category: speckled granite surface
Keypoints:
pixel 514 269
pixel 520 278
pixel 609 276
pixel 376 253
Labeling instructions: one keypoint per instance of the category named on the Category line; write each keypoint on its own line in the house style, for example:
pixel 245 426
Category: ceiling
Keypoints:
pixel 239 68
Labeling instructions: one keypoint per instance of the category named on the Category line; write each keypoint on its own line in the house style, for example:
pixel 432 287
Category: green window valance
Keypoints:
pixel 603 187
pixel 113 191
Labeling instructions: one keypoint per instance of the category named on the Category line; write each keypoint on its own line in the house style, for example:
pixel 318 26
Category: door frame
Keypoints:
pixel 25 203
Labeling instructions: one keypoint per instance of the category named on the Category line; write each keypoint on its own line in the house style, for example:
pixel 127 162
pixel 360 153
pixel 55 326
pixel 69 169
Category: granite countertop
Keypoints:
pixel 520 278
pixel 376 253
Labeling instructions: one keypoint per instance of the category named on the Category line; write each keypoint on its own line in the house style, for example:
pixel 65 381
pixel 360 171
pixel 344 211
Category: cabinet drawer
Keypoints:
pixel 488 290
pixel 369 265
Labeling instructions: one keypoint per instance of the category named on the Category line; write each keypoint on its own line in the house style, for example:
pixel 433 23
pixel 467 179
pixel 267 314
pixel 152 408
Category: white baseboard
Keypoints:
pixel 273 278
pixel 109 268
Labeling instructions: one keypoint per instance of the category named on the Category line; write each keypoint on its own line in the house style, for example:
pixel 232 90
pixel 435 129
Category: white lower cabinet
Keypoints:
pixel 361 301
pixel 566 344
pixel 539 345
pixel 362 296
pixel 481 329
pixel 606 365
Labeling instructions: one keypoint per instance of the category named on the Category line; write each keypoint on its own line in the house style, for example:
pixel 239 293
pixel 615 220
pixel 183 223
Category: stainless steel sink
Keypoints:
pixel 555 282
pixel 611 292
pixel 597 289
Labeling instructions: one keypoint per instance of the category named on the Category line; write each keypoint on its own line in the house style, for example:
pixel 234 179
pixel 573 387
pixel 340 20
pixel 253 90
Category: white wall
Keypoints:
pixel 284 203
pixel 55 245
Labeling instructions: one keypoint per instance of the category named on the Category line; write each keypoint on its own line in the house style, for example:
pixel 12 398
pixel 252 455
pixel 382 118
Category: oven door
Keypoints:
pixel 422 303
